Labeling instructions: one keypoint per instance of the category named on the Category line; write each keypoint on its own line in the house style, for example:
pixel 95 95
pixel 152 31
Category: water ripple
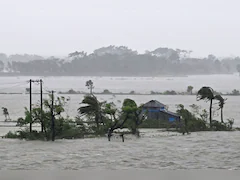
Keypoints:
pixel 206 150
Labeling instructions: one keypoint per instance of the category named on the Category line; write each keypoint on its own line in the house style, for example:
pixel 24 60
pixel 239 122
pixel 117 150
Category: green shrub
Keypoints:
pixel 11 135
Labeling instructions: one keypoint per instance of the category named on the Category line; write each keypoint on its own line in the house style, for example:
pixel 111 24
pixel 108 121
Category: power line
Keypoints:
pixel 47 90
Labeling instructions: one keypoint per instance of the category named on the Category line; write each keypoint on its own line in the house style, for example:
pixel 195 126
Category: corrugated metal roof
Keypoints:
pixel 153 103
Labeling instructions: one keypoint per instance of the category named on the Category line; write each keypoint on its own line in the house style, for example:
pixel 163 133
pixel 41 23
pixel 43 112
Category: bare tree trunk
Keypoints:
pixel 116 126
pixel 97 122
pixel 222 115
pixel 6 117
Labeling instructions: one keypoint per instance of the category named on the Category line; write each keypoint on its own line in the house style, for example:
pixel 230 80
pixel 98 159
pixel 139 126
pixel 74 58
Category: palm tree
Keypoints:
pixel 207 94
pixel 92 108
pixel 221 103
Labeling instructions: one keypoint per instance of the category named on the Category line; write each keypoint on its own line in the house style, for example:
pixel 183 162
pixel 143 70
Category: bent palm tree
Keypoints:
pixel 207 94
pixel 93 107
pixel 221 103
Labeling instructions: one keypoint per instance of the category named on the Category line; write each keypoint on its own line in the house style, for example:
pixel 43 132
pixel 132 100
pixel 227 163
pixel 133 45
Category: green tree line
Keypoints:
pixel 119 60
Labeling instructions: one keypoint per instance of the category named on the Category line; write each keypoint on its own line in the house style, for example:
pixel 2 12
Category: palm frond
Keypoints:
pixel 205 93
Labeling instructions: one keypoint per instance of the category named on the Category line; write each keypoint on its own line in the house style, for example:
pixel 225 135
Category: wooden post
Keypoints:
pixel 30 106
pixel 122 136
pixel 41 102
pixel 53 123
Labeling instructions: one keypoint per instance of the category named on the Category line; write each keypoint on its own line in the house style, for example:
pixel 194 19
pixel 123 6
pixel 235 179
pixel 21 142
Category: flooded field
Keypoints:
pixel 154 150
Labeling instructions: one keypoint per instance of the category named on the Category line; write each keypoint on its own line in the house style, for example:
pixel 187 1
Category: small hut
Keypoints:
pixel 157 111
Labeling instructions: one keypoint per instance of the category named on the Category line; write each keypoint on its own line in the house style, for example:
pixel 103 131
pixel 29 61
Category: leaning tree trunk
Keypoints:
pixel 116 126
pixel 97 122
pixel 210 113
pixel 222 115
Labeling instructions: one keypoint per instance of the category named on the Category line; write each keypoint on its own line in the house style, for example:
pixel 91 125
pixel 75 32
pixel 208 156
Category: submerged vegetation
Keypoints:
pixel 189 91
pixel 97 118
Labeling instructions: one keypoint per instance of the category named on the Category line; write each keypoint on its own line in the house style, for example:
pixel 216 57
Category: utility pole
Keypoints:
pixel 53 123
pixel 30 108
pixel 41 102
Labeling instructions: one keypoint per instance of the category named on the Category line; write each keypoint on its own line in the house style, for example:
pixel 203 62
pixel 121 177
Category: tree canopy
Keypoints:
pixel 119 60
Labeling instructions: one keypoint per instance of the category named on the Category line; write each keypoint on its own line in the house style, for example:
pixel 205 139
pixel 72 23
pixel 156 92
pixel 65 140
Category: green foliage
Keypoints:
pixel 197 121
pixel 25 134
pixel 221 103
pixel 64 127
pixel 133 114
pixel 105 117
pixel 191 122
pixel 196 110
pixel 205 93
pixel 93 109
pixel 129 103
pixel 220 100
pixel 170 92
pixel 218 126
pixel 230 123
pixel 11 135
pixel 99 118
pixel 204 115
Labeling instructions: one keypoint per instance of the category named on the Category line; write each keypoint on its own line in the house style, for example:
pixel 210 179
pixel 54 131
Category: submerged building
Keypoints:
pixel 155 110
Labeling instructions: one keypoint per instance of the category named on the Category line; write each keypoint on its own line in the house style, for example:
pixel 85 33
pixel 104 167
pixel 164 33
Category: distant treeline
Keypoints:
pixel 189 91
pixel 118 61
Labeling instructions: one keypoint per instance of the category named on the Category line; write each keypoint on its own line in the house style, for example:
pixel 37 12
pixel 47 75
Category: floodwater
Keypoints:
pixel 154 150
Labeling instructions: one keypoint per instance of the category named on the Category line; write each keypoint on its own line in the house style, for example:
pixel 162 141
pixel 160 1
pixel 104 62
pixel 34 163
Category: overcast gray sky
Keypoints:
pixel 57 27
